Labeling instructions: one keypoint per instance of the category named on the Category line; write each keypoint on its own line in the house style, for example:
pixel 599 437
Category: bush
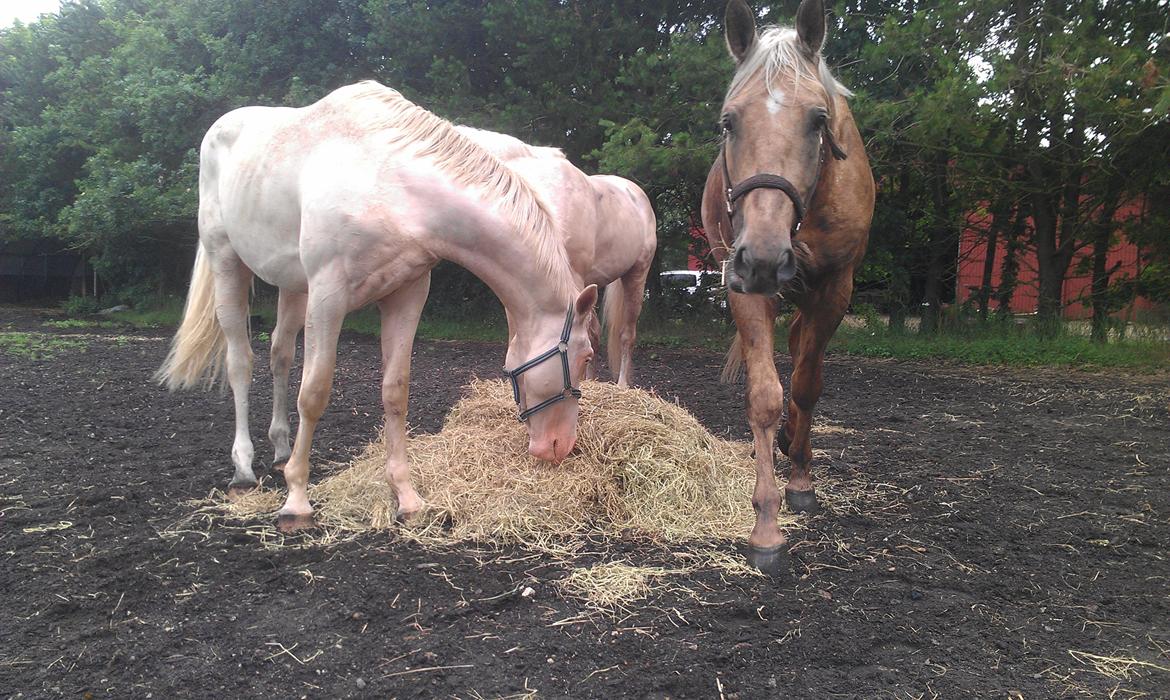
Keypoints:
pixel 80 306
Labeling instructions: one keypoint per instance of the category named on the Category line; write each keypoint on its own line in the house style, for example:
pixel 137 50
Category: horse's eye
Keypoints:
pixel 725 123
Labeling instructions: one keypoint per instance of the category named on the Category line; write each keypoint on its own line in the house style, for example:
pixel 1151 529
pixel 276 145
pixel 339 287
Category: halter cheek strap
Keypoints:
pixel 562 349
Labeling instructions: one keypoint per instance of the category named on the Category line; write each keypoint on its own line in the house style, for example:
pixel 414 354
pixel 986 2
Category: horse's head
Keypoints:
pixel 776 121
pixel 547 356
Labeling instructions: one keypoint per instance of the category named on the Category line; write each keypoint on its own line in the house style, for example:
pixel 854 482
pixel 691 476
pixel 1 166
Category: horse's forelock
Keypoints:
pixel 776 50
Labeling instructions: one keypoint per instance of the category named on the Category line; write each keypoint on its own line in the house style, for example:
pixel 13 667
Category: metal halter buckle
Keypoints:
pixel 562 349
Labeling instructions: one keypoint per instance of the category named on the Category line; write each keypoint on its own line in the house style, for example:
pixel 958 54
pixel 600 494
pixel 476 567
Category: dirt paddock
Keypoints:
pixel 1015 545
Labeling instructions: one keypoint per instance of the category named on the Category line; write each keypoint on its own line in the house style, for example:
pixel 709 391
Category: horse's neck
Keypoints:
pixel 505 260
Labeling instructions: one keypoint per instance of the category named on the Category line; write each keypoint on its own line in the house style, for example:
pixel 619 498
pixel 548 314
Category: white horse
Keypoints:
pixel 615 252
pixel 353 200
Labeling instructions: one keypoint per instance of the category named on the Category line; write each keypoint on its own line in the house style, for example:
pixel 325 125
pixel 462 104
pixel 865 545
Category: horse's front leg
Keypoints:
pixel 811 331
pixel 325 312
pixel 290 318
pixel 755 317
pixel 400 313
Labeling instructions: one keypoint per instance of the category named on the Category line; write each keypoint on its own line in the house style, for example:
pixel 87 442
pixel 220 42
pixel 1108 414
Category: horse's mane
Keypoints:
pixel 777 49
pixel 467 163
pixel 506 147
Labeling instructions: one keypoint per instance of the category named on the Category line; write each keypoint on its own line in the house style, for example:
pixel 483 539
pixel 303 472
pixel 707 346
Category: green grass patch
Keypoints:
pixel 160 317
pixel 79 323
pixel 688 332
pixel 979 345
pixel 1004 347
pixel 37 346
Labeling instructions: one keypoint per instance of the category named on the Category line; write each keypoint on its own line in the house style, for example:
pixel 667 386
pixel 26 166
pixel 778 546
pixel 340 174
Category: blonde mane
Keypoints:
pixel 507 147
pixel 468 164
pixel 777 49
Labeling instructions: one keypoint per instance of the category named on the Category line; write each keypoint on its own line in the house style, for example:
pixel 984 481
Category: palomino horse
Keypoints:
pixel 800 232
pixel 353 200
pixel 614 250
pixel 614 253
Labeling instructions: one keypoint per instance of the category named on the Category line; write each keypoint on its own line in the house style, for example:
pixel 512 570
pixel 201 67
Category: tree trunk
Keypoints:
pixel 1000 215
pixel 1010 274
pixel 1102 236
pixel 942 248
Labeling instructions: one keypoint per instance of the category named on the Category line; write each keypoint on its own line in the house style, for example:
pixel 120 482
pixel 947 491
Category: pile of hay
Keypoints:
pixel 641 466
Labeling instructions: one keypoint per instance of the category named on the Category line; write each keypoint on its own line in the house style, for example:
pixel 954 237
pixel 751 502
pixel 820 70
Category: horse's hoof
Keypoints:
pixel 278 466
pixel 408 517
pixel 295 522
pixel 802 501
pixel 238 489
pixel 770 560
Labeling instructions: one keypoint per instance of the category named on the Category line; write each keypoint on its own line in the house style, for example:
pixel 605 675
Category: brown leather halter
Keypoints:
pixel 733 193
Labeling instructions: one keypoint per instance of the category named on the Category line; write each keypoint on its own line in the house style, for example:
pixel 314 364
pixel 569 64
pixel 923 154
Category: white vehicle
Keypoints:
pixel 688 283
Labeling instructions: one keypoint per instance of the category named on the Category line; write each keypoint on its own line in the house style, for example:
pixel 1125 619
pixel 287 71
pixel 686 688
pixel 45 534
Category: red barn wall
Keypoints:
pixel 973 254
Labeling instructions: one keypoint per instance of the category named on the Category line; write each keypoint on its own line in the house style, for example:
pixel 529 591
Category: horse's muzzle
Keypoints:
pixel 752 273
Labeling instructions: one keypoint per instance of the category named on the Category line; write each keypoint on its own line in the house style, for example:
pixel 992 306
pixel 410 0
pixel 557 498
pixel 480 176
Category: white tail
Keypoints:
pixel 733 365
pixel 199 346
pixel 612 311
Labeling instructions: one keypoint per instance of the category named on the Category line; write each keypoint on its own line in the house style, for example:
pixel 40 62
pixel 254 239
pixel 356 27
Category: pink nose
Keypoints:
pixel 553 450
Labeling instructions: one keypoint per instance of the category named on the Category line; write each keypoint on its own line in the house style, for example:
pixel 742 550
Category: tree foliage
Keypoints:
pixel 1046 116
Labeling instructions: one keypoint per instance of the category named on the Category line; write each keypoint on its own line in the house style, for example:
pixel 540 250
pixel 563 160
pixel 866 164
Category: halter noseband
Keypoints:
pixel 733 193
pixel 562 349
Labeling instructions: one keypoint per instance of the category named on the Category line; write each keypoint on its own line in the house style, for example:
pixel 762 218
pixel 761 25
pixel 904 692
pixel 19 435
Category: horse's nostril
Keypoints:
pixel 786 266
pixel 742 260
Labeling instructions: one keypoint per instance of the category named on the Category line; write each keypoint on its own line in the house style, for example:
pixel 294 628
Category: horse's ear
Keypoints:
pixel 810 26
pixel 739 28
pixel 586 301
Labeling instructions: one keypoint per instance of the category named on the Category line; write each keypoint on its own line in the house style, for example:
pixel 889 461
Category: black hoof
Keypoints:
pixel 770 560
pixel 237 489
pixel 295 522
pixel 278 466
pixel 802 501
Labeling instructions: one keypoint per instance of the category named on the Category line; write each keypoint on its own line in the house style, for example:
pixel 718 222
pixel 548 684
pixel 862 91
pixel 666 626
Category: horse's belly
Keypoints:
pixel 271 251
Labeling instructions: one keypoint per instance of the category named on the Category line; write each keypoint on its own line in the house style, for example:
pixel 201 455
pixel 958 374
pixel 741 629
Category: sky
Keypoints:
pixel 24 10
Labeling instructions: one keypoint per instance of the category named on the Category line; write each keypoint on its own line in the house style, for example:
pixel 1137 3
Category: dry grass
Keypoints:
pixel 1116 667
pixel 616 585
pixel 643 467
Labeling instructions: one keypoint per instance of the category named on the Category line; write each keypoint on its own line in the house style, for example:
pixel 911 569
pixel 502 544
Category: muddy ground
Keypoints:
pixel 1015 544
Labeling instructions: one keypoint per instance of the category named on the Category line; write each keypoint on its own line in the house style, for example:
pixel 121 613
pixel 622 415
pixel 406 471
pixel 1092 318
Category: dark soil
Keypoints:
pixel 1025 524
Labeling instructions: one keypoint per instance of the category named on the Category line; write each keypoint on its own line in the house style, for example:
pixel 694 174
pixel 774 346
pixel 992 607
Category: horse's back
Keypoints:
pixel 626 208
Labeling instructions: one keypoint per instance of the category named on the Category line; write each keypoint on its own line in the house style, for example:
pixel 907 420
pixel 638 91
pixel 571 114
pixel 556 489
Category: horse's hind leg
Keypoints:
pixel 633 289
pixel 594 329
pixel 325 311
pixel 400 314
pixel 819 320
pixel 232 282
pixel 290 318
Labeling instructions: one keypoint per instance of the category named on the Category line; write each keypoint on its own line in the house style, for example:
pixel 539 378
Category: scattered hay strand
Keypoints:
pixel 1115 667
pixel 618 584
